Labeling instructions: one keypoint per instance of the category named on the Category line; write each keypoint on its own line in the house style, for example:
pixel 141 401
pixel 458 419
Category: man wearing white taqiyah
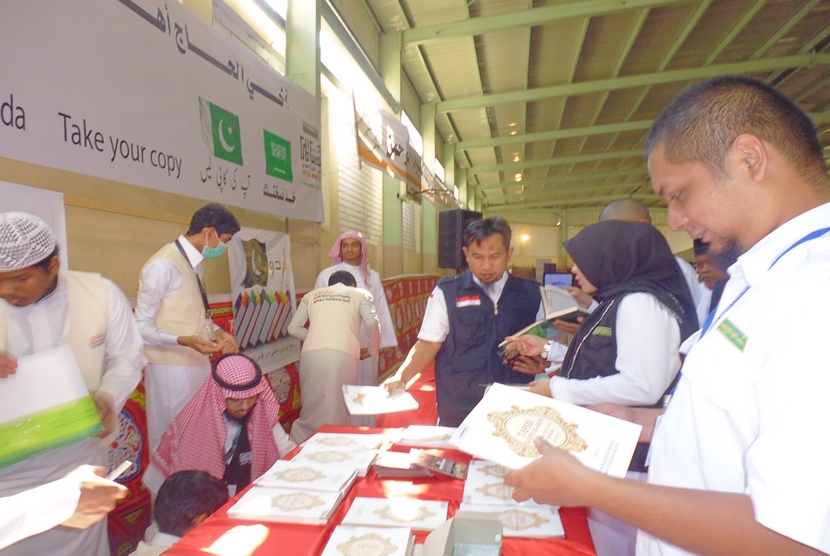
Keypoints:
pixel 172 315
pixel 331 349
pixel 349 253
pixel 42 308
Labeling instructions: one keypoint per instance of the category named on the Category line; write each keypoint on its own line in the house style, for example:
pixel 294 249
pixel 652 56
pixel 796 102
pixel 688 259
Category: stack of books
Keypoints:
pixel 398 465
pixel 423 436
pixel 287 505
pixel 308 476
pixel 390 541
pixel 421 515
pixel 485 491
pixel 351 450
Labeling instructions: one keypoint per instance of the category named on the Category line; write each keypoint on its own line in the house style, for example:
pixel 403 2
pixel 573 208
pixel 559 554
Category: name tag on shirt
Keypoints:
pixel 468 301
pixel 732 334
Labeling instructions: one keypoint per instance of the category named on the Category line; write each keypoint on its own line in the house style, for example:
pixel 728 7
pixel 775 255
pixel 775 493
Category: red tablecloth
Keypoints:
pixel 302 540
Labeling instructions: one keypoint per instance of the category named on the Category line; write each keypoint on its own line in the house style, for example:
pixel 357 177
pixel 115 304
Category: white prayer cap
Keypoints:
pixel 25 240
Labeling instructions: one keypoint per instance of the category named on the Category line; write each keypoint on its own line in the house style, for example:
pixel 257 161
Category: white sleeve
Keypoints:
pixel 323 279
pixel 36 510
pixel 370 323
pixel 124 353
pixel 284 443
pixel 388 338
pixel 648 340
pixel 159 278
pixel 296 328
pixel 436 324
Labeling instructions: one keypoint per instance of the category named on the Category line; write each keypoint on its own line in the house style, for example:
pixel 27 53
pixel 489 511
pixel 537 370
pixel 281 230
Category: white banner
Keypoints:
pixel 144 92
pixel 263 296
pixel 46 205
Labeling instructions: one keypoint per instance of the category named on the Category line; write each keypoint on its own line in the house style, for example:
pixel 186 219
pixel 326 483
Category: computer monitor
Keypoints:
pixel 559 279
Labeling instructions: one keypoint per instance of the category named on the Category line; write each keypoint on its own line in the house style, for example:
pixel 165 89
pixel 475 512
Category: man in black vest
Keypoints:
pixel 466 318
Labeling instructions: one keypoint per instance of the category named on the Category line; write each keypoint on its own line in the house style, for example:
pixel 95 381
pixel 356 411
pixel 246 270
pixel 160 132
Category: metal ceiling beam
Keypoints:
pixel 534 16
pixel 735 31
pixel 602 199
pixel 560 179
pixel 691 74
pixel 518 166
pixel 818 118
pixel 553 135
pixel 538 196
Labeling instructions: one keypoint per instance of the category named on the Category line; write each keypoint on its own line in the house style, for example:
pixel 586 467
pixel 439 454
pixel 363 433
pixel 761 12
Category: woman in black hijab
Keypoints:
pixel 626 351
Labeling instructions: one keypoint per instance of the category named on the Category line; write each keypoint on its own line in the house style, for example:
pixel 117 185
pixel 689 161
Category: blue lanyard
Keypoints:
pixel 711 318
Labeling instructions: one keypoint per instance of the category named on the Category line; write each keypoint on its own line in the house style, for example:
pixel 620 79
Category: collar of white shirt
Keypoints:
pixel 193 256
pixel 494 290
pixel 756 262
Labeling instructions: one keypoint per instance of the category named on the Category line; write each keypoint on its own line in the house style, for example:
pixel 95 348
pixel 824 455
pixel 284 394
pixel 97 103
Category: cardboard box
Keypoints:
pixel 466 533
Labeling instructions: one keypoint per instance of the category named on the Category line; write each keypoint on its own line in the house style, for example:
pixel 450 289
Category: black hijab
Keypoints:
pixel 625 257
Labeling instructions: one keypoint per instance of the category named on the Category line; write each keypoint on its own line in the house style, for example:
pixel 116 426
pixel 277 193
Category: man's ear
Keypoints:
pixel 749 154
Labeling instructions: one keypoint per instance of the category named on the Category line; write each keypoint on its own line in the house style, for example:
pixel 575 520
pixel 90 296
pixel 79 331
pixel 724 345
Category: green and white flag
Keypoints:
pixel 220 130
pixel 277 156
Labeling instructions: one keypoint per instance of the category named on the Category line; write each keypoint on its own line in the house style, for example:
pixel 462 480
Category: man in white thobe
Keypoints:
pixel 349 253
pixel 172 315
pixel 42 308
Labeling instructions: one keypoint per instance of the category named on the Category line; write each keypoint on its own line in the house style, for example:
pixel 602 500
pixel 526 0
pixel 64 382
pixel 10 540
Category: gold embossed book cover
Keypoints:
pixel 502 427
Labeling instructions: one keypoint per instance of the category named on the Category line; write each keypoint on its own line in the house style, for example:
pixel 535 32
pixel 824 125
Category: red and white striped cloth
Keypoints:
pixel 196 438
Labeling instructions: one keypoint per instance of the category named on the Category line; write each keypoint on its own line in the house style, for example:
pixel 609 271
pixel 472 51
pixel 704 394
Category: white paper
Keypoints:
pixel 425 436
pixel 316 454
pixel 389 541
pixel 286 505
pixel 43 380
pixel 485 486
pixel 521 521
pixel 345 441
pixel 374 400
pixel 308 476
pixel 501 428
pixel 422 515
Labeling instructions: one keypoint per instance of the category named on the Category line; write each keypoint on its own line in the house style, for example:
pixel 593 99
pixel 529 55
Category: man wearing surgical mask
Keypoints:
pixel 173 317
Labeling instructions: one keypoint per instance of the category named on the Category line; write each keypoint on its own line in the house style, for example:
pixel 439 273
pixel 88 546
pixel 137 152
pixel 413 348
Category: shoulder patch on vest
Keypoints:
pixel 733 334
pixel 602 331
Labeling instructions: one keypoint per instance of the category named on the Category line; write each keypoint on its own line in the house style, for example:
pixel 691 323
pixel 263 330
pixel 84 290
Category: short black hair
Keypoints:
pixel 216 216
pixel 479 230
pixel 703 121
pixel 183 497
pixel 343 277
pixel 44 263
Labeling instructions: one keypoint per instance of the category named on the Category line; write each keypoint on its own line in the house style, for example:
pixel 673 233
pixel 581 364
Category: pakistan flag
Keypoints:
pixel 220 131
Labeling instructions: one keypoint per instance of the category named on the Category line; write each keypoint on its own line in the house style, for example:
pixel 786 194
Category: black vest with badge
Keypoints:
pixel 595 354
pixel 468 359
pixel 238 470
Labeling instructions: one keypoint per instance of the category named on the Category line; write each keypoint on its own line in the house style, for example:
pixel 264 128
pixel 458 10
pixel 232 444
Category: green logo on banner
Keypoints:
pixel 227 142
pixel 277 157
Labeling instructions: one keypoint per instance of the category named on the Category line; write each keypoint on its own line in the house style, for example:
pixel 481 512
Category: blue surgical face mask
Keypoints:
pixel 209 252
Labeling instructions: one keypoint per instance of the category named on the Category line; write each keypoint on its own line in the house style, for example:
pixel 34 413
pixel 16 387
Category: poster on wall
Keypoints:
pixel 46 205
pixel 263 296
pixel 146 93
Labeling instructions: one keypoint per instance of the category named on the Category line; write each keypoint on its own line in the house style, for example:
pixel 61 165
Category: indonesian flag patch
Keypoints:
pixel 468 301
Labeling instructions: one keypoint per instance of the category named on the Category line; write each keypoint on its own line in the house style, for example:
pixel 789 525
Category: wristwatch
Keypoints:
pixel 546 349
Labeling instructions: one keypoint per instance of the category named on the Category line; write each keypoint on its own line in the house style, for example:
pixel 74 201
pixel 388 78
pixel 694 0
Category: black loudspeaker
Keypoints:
pixel 451 226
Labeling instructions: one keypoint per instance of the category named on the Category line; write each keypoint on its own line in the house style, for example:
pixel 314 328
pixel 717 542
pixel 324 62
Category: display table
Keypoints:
pixel 303 540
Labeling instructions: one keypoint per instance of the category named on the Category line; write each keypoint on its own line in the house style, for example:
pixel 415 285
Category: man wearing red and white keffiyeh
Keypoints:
pixel 208 434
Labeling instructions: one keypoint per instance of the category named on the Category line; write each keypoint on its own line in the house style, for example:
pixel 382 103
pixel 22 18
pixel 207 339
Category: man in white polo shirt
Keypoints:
pixel 739 459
